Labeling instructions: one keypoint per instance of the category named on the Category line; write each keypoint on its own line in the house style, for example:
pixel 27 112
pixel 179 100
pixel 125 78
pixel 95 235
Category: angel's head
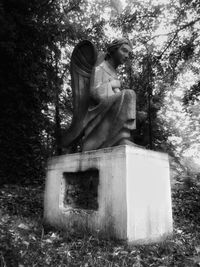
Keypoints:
pixel 119 51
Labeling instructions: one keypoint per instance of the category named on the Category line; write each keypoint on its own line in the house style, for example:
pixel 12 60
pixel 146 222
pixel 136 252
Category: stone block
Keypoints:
pixel 120 192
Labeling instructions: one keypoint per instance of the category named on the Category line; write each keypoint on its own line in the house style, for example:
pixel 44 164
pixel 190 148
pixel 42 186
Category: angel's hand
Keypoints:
pixel 115 84
pixel 116 90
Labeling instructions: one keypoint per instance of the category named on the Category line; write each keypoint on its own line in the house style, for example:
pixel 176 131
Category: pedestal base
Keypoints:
pixel 121 192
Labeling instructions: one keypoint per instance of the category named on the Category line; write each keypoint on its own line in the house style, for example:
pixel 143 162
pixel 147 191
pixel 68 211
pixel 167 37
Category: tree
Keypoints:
pixel 35 36
pixel 36 99
pixel 28 29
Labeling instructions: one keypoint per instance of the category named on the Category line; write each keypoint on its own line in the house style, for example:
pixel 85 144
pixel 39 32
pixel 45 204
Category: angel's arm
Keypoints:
pixel 100 87
pixel 103 85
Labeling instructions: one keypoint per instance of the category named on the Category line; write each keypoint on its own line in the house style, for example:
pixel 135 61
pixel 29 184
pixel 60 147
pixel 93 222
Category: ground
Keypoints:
pixel 24 241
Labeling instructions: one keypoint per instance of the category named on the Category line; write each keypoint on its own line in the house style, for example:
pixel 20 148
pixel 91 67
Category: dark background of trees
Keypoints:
pixel 37 38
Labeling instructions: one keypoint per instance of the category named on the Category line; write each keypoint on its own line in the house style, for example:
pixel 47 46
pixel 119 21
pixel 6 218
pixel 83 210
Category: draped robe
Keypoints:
pixel 110 116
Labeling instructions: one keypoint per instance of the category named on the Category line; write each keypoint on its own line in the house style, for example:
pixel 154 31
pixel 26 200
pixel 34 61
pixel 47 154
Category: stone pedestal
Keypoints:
pixel 121 192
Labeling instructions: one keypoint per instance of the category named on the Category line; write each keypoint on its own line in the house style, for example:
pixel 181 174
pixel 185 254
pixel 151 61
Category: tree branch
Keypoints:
pixel 74 6
pixel 191 23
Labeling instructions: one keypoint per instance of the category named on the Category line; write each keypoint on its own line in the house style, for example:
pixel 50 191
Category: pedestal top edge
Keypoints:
pixel 119 150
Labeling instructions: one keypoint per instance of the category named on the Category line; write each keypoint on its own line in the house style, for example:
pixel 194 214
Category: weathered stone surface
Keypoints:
pixel 134 197
pixel 81 189
pixel 104 113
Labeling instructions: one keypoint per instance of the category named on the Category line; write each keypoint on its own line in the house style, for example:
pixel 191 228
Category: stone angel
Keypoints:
pixel 104 113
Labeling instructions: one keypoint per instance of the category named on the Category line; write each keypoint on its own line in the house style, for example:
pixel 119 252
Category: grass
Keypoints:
pixel 25 242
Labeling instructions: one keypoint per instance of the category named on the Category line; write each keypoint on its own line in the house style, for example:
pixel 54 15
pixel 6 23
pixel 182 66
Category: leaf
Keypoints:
pixel 26 243
pixel 23 226
pixel 197 248
pixel 195 259
pixel 48 241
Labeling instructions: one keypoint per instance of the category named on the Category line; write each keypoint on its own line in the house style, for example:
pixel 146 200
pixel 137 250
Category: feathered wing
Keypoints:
pixel 83 60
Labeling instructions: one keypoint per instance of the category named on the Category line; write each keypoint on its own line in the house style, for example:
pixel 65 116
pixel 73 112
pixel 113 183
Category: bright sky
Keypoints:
pixel 120 5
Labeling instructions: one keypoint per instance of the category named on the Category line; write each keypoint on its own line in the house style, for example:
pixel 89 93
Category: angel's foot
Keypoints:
pixel 128 142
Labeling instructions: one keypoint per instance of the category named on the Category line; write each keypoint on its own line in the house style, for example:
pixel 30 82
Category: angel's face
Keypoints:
pixel 122 54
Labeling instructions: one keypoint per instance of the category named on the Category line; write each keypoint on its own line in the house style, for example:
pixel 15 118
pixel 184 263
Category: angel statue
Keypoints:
pixel 104 113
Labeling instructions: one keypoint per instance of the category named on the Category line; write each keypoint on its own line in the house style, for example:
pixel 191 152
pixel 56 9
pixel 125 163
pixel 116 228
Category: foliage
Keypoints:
pixel 25 242
pixel 26 33
pixel 36 98
pixel 37 38
pixel 186 203
pixel 166 40
pixel 34 65
pixel 192 95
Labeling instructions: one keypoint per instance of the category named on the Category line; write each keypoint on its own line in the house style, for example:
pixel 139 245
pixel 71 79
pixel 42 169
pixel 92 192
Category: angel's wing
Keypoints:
pixel 83 60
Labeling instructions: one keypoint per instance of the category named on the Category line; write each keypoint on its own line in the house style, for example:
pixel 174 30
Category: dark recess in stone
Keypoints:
pixel 81 189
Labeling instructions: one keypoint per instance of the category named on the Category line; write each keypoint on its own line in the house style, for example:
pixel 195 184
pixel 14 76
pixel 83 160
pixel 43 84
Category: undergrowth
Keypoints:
pixel 25 242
